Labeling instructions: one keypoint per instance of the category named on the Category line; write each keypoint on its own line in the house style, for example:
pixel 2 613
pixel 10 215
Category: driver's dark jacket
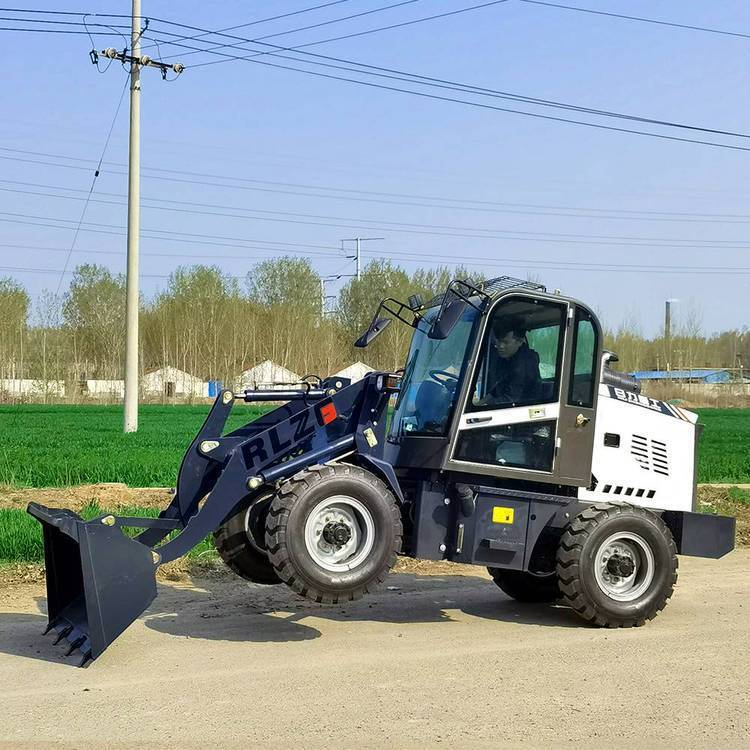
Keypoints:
pixel 515 379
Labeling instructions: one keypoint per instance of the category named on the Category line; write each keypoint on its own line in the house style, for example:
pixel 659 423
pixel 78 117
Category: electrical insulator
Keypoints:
pixel 110 52
pixel 178 68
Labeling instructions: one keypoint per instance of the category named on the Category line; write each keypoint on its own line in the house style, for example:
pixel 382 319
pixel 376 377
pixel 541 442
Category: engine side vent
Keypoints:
pixel 618 489
pixel 651 455
pixel 639 449
pixel 659 459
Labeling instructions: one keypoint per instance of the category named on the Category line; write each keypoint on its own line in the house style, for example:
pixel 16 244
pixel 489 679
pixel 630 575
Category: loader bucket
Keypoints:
pixel 98 580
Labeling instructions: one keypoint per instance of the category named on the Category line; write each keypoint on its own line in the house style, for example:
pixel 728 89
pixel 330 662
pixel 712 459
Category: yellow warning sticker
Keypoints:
pixel 502 515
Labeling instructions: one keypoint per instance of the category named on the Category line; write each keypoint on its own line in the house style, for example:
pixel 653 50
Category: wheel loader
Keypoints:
pixel 506 441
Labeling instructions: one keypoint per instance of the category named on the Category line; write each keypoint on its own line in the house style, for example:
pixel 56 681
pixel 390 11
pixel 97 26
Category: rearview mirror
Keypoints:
pixel 446 319
pixel 376 328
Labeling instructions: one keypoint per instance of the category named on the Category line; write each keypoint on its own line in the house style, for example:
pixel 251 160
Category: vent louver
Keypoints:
pixel 651 455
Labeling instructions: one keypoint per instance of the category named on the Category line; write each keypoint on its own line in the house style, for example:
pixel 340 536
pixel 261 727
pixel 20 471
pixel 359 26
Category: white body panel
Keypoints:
pixel 654 465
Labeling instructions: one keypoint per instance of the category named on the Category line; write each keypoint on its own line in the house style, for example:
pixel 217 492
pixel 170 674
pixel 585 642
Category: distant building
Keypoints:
pixel 171 382
pixel 266 376
pixel 18 387
pixel 102 388
pixel 354 372
pixel 686 376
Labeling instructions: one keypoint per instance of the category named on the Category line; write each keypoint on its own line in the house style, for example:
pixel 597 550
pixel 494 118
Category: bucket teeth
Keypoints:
pixel 75 644
pixel 76 639
pixel 64 633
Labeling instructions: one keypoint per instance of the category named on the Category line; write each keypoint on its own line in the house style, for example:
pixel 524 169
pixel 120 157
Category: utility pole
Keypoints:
pixel 358 251
pixel 323 296
pixel 132 292
pixel 668 332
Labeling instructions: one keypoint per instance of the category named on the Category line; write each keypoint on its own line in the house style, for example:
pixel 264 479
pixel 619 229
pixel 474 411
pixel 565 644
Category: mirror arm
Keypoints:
pixel 416 317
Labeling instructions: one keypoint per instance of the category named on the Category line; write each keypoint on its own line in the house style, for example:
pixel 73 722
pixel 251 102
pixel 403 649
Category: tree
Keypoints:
pixel 194 324
pixel 287 293
pixel 358 302
pixel 94 312
pixel 14 310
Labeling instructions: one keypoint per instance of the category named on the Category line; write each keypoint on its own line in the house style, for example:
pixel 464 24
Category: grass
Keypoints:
pixel 724 451
pixel 21 535
pixel 59 446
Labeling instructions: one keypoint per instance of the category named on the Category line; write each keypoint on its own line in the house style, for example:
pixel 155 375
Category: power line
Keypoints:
pixel 57 31
pixel 62 23
pixel 445 84
pixel 426 229
pixel 183 237
pixel 520 209
pixel 481 105
pixel 253 23
pixel 345 18
pixel 258 40
pixel 638 18
pixel 64 12
pixel 461 203
pixel 260 250
pixel 87 200
pixel 472 90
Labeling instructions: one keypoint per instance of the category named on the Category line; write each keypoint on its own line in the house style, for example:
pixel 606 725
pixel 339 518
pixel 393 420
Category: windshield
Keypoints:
pixel 434 369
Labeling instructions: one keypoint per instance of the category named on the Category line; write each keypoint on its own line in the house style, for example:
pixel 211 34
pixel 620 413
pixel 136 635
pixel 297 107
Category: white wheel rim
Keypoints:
pixel 339 512
pixel 624 588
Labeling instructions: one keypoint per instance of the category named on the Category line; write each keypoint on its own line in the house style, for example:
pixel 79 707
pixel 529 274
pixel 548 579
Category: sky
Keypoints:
pixel 242 161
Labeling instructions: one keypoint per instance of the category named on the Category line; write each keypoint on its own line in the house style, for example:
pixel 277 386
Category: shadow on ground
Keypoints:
pixel 249 612
pixel 227 609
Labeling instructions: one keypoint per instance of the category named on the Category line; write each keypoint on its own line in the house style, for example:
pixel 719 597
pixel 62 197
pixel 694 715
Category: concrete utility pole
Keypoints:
pixel 134 219
pixel 668 331
pixel 137 61
pixel 358 251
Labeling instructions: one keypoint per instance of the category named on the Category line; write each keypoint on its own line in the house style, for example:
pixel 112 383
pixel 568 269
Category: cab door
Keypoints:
pixel 578 402
pixel 516 436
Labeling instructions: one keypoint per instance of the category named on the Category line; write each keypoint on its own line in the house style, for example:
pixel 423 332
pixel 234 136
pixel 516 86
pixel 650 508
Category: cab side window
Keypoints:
pixel 584 376
pixel 520 362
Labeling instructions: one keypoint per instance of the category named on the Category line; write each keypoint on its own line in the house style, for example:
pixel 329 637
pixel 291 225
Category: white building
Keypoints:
pixel 18 387
pixel 266 376
pixel 354 372
pixel 106 389
pixel 171 382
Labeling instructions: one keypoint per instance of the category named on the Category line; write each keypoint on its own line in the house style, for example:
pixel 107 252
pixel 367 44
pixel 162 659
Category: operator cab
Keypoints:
pixel 509 392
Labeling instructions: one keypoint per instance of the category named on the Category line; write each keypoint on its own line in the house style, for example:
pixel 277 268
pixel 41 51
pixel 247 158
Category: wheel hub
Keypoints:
pixel 337 534
pixel 624 566
pixel 620 566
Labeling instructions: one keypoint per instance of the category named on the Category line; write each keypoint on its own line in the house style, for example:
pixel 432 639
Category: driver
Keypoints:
pixel 514 367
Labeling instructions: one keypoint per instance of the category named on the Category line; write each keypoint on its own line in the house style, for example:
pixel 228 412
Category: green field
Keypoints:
pixel 57 446
pixel 60 446
pixel 21 538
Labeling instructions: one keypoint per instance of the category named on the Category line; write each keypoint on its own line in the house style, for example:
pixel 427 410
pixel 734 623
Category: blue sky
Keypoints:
pixel 332 144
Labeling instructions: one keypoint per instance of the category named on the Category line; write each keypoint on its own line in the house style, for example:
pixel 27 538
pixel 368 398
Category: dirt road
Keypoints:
pixel 437 660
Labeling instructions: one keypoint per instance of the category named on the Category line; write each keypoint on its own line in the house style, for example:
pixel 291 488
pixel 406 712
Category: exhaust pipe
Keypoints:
pixel 99 581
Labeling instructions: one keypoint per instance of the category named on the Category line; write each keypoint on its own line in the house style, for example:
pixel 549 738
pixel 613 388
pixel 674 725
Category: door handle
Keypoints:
pixel 582 421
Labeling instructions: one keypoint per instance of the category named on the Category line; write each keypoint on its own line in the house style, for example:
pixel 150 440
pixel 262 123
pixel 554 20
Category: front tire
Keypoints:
pixel 617 565
pixel 333 532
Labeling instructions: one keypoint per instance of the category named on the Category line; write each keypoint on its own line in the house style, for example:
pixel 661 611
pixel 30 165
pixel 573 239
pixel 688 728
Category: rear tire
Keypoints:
pixel 526 587
pixel 333 532
pixel 237 541
pixel 617 565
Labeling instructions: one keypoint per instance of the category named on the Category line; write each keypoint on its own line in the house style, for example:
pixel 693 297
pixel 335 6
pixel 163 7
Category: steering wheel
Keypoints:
pixel 447 379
